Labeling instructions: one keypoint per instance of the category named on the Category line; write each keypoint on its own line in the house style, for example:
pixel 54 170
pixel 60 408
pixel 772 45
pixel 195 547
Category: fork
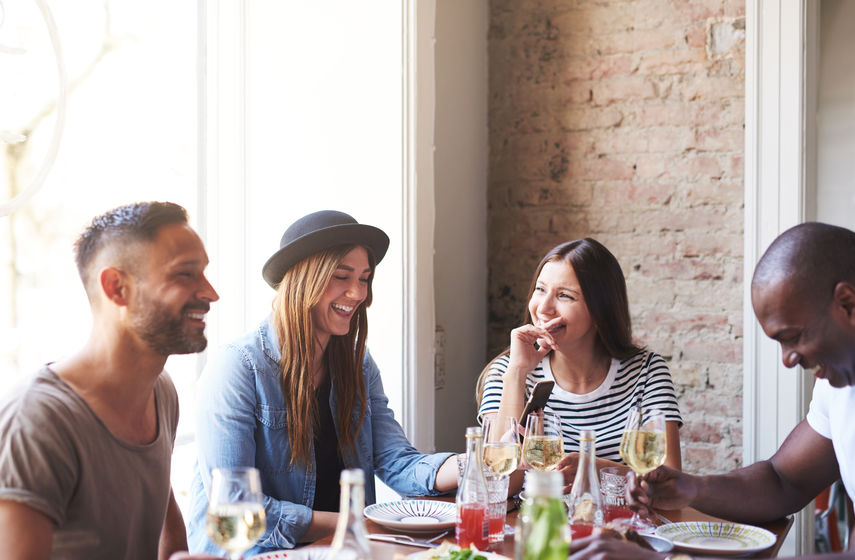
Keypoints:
pixel 407 539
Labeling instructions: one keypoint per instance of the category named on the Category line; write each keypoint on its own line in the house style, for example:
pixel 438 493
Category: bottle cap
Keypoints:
pixel 543 483
pixel 474 431
pixel 587 435
pixel 352 476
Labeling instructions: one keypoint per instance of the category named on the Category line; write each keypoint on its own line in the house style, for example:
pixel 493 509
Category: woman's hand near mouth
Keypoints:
pixel 529 344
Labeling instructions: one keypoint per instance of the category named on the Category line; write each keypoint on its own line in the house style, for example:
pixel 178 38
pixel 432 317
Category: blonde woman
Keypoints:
pixel 300 397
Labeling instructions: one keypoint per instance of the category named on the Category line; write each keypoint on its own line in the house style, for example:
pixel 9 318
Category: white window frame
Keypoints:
pixel 777 149
pixel 223 187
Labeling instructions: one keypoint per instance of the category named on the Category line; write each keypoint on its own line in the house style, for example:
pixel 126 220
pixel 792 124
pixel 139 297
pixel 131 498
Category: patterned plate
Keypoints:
pixel 413 516
pixel 308 553
pixel 717 537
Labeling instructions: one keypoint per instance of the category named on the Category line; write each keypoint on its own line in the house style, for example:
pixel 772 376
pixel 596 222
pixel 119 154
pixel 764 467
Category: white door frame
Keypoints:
pixel 419 17
pixel 775 399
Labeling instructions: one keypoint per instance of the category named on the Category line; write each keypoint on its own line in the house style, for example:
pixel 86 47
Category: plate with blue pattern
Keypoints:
pixel 713 537
pixel 413 516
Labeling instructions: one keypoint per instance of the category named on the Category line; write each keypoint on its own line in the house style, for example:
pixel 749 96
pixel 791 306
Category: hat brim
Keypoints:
pixel 302 247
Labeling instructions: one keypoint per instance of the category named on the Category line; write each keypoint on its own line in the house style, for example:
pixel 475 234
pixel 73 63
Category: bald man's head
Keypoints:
pixel 810 258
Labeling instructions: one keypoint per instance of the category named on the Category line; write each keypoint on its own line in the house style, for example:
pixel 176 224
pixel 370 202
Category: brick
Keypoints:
pixel 724 193
pixel 612 120
pixel 632 194
pixel 719 139
pixel 596 68
pixel 631 88
pixel 672 62
pixel 712 351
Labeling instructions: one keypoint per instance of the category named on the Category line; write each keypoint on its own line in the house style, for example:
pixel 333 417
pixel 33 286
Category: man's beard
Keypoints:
pixel 169 335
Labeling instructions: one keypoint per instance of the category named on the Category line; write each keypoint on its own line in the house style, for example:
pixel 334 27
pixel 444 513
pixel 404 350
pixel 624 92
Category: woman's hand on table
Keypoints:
pixel 610 548
pixel 567 467
pixel 664 488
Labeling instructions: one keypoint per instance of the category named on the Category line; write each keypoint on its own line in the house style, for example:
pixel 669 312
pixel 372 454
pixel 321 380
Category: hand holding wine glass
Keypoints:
pixel 235 519
pixel 643 448
pixel 543 448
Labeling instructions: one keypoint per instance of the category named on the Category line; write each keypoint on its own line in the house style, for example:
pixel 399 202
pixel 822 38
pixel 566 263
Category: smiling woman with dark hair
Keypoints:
pixel 577 332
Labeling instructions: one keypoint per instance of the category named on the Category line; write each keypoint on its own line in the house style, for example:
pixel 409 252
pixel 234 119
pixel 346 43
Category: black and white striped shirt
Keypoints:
pixel 604 409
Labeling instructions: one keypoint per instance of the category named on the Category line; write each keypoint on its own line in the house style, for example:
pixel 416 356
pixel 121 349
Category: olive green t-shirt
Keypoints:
pixel 106 497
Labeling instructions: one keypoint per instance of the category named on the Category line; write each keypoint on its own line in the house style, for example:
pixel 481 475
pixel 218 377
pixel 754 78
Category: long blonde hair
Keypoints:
pixel 298 293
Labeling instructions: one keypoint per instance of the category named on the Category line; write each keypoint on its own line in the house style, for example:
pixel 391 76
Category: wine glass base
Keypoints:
pixel 636 523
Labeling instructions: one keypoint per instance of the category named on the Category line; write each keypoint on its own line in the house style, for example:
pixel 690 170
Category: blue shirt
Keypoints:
pixel 241 420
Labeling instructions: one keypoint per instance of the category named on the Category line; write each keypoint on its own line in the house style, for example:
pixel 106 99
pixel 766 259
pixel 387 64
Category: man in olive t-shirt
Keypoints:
pixel 85 447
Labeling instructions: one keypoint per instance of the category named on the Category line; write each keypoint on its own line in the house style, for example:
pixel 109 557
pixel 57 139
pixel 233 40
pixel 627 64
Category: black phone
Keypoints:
pixel 537 399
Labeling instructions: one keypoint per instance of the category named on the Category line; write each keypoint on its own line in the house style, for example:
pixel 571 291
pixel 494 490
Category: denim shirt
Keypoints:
pixel 241 420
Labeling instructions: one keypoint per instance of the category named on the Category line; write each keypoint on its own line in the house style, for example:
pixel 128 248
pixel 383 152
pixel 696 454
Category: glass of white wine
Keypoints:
pixel 501 444
pixel 643 448
pixel 501 457
pixel 543 448
pixel 235 518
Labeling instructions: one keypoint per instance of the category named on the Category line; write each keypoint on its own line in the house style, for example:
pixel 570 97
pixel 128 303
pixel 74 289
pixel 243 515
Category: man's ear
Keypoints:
pixel 114 285
pixel 844 296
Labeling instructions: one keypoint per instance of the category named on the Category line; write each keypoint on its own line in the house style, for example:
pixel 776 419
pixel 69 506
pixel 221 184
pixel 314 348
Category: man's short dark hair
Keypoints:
pixel 121 227
pixel 813 257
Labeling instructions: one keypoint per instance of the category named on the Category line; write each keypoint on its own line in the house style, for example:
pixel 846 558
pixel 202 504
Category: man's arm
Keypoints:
pixel 173 536
pixel 25 534
pixel 796 473
pixel 764 491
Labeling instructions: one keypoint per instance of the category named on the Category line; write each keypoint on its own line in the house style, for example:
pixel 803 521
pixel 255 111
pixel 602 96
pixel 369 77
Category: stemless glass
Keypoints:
pixel 235 519
pixel 544 443
pixel 501 458
pixel 643 448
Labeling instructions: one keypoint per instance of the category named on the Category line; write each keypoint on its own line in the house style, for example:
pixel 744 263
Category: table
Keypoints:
pixel 387 551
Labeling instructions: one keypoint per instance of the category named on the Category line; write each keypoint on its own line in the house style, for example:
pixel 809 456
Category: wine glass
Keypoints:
pixel 643 448
pixel 235 518
pixel 501 458
pixel 543 448
pixel 501 444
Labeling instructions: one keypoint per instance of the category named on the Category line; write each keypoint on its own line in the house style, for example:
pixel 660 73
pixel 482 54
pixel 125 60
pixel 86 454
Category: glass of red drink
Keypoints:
pixel 613 489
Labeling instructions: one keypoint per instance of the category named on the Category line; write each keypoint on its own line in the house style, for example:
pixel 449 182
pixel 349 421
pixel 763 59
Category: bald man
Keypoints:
pixel 803 293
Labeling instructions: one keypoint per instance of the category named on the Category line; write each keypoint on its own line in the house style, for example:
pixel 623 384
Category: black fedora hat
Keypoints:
pixel 318 231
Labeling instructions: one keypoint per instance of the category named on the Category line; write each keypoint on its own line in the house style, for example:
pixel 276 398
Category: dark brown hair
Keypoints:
pixel 604 289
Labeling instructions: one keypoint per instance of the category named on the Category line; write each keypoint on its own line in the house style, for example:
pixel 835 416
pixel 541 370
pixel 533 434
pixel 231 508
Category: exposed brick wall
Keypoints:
pixel 623 121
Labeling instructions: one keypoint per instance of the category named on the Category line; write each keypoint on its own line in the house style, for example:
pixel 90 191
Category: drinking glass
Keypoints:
pixel 235 519
pixel 501 458
pixel 643 448
pixel 501 444
pixel 544 443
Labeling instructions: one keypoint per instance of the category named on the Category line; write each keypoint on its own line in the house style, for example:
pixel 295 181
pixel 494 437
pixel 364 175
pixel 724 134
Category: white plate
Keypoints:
pixel 308 553
pixel 413 516
pixel 428 554
pixel 717 537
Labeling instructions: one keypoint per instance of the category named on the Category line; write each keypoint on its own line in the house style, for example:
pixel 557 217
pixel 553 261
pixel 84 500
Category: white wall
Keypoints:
pixel 835 124
pixel 460 167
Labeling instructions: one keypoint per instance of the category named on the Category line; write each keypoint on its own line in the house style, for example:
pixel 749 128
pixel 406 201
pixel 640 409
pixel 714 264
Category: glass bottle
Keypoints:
pixel 585 506
pixel 542 530
pixel 472 527
pixel 350 541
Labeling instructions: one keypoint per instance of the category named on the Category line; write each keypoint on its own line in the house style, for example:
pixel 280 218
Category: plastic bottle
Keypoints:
pixel 585 505
pixel 350 541
pixel 542 530
pixel 472 528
